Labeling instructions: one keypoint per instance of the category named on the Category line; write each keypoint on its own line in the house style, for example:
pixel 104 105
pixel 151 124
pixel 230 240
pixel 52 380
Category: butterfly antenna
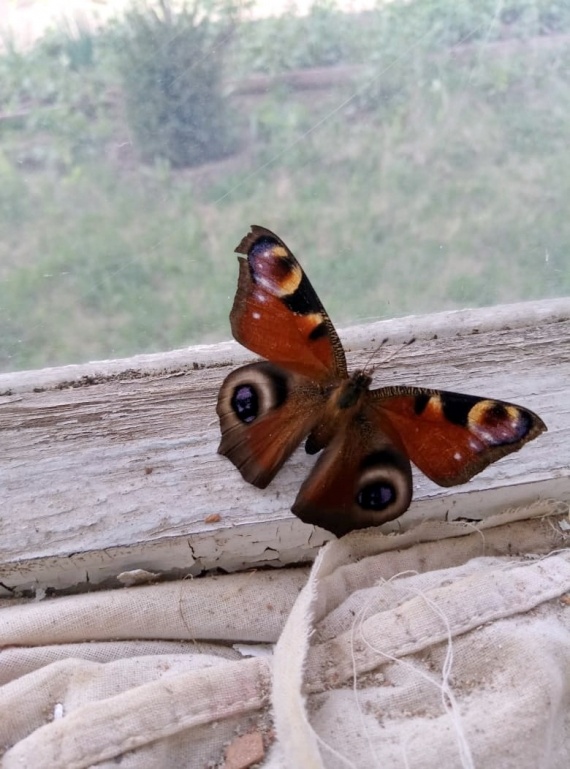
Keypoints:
pixel 368 365
pixel 368 368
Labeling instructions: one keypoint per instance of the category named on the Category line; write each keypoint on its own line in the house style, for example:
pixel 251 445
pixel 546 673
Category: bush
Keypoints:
pixel 171 64
pixel 325 37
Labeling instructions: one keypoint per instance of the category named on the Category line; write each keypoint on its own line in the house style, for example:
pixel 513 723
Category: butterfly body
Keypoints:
pixel 366 437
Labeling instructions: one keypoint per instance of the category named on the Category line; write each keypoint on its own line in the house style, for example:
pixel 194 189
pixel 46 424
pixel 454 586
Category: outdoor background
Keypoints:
pixel 414 156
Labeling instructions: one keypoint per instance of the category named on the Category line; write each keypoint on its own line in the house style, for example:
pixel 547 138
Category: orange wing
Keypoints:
pixel 451 437
pixel 277 313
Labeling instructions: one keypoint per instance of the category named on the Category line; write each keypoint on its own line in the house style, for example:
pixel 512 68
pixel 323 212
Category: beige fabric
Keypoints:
pixel 446 646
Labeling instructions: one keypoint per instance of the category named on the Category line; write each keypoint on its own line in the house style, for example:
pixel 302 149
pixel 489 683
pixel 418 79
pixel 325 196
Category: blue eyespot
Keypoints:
pixel 376 496
pixel 245 403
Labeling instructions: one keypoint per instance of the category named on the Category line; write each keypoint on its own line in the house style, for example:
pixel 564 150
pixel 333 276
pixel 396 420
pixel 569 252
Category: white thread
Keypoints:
pixel 448 699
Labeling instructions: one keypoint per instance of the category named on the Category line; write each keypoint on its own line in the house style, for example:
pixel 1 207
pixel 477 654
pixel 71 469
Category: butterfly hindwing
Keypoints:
pixel 361 479
pixel 277 313
pixel 449 436
pixel 265 412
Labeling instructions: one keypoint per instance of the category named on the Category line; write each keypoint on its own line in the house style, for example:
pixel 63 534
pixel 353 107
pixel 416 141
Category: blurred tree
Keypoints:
pixel 171 64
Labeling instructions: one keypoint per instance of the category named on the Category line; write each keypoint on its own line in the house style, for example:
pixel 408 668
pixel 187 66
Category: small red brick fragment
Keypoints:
pixel 213 518
pixel 244 751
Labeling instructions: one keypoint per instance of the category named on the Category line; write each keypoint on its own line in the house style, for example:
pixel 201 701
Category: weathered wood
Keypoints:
pixel 111 466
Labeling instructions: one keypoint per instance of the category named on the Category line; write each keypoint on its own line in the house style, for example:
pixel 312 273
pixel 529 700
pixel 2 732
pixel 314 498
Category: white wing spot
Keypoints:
pixel 457 456
pixel 255 315
pixel 270 285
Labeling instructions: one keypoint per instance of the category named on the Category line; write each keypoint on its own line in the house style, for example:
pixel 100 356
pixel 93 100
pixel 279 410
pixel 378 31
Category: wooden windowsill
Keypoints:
pixel 111 466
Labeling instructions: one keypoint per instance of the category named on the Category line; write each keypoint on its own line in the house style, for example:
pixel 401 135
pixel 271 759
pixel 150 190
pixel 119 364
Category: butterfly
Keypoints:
pixel 303 391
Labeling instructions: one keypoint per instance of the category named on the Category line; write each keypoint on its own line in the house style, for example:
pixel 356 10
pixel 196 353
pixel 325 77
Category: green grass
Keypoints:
pixel 441 185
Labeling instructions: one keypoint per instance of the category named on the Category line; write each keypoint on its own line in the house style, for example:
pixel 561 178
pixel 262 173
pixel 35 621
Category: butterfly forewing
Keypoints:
pixel 449 436
pixel 277 313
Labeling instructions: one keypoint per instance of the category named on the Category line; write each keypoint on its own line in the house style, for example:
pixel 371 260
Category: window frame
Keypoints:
pixel 111 467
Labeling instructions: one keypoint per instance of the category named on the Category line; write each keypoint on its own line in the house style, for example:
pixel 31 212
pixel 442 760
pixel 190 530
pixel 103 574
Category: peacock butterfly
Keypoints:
pixel 367 437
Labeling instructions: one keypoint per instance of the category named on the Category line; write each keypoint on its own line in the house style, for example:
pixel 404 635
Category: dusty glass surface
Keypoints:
pixel 413 155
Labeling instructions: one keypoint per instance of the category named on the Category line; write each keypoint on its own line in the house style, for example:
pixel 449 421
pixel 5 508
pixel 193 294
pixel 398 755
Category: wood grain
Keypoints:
pixel 112 466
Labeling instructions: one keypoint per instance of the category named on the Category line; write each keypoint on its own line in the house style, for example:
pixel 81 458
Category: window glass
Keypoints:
pixel 413 155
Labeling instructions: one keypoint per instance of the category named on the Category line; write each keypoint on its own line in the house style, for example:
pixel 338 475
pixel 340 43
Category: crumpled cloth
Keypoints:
pixel 445 646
